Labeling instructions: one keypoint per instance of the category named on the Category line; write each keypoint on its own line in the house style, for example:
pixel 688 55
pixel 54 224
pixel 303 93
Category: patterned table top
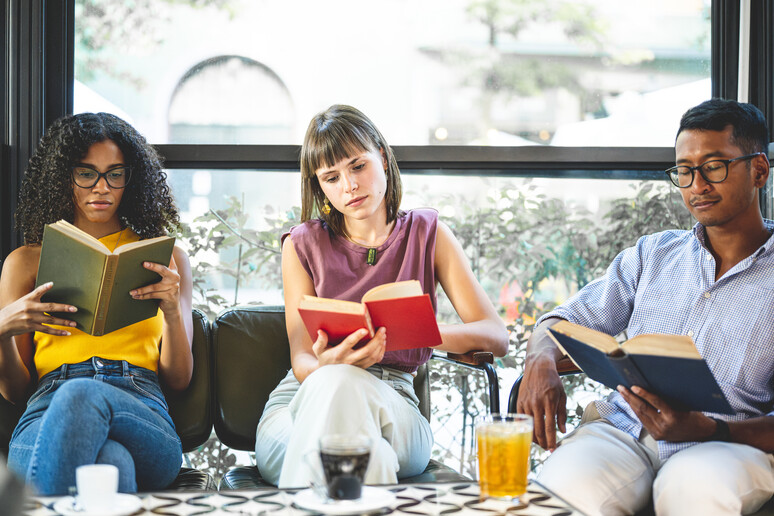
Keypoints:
pixel 420 499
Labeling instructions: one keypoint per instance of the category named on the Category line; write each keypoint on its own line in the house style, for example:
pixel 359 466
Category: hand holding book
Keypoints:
pixel 29 313
pixel 401 307
pixel 88 275
pixel 668 366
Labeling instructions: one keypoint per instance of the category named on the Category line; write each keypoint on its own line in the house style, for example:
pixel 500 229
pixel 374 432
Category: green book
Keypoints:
pixel 88 275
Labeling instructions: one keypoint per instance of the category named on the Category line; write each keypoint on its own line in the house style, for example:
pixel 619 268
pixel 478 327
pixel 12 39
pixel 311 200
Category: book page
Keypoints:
pixel 81 236
pixel 594 338
pixel 680 346
pixel 140 243
pixel 331 305
pixel 410 288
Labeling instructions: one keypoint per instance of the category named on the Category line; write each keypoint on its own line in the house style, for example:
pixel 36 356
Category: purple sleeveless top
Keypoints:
pixel 339 270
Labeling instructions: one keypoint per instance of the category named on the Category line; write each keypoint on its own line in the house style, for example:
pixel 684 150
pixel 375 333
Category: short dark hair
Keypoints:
pixel 335 134
pixel 750 134
pixel 46 193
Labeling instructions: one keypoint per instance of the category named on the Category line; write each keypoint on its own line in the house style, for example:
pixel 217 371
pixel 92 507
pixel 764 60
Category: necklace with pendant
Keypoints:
pixel 371 254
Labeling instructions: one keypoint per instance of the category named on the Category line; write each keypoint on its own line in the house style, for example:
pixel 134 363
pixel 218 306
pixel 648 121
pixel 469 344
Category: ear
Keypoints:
pixel 384 158
pixel 762 169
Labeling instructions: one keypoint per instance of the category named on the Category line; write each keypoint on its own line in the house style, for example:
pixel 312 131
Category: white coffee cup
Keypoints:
pixel 97 486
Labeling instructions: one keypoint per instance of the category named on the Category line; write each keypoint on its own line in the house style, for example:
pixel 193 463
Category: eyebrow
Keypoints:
pixel 332 170
pixel 109 167
pixel 707 157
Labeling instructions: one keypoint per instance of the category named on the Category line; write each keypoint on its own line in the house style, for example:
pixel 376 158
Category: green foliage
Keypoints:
pixel 108 29
pixel 223 247
pixel 528 250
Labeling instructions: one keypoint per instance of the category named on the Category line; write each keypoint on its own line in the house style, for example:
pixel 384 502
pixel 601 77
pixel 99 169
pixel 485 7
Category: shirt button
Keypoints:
pixel 707 295
pixel 709 257
pixel 690 333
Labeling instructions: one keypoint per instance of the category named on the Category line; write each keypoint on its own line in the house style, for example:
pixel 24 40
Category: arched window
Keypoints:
pixel 230 99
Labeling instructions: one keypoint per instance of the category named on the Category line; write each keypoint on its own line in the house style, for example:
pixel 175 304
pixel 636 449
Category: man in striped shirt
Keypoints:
pixel 714 283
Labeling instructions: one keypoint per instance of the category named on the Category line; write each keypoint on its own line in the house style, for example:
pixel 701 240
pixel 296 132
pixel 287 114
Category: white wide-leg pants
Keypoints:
pixel 379 402
pixel 605 471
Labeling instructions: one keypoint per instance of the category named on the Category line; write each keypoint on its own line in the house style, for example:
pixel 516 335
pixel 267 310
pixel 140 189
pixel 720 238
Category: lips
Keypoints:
pixel 100 204
pixel 703 203
pixel 357 201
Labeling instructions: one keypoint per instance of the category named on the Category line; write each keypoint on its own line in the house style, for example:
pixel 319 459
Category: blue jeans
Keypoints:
pixel 96 412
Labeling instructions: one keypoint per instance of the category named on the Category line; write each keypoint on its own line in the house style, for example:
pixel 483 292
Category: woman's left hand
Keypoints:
pixel 167 290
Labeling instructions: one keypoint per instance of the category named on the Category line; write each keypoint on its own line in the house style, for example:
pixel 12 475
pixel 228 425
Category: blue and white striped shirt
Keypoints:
pixel 666 284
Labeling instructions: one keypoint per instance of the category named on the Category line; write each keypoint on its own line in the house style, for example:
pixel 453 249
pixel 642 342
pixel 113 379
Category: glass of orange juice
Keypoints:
pixel 503 442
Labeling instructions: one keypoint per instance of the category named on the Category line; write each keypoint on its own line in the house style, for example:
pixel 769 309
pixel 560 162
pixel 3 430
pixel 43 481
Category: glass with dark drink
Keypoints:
pixel 344 460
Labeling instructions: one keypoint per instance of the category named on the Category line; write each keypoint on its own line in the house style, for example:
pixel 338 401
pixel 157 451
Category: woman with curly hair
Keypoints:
pixel 96 400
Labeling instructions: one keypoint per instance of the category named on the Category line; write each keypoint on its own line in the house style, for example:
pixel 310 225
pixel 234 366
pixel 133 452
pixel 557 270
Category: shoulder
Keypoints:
pixel 422 215
pixel 23 258
pixel 21 266
pixel 309 229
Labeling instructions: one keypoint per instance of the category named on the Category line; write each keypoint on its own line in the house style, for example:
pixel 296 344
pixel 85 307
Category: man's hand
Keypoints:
pixel 542 397
pixel 542 394
pixel 662 421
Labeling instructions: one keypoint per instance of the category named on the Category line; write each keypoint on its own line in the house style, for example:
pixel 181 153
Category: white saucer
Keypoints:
pixel 123 505
pixel 372 499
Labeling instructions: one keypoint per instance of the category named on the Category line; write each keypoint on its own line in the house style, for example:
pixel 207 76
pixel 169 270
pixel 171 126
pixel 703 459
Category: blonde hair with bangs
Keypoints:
pixel 335 134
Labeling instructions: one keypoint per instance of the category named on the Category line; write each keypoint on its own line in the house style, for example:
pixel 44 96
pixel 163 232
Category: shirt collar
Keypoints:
pixel 700 232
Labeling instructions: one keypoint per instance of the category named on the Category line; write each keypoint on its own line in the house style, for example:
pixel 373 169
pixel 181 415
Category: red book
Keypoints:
pixel 401 307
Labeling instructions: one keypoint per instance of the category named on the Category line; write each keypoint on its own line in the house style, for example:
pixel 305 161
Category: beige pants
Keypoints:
pixel 603 470
pixel 342 399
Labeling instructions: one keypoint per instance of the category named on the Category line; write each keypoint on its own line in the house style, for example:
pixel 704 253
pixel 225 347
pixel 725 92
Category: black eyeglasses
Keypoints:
pixel 713 171
pixel 86 176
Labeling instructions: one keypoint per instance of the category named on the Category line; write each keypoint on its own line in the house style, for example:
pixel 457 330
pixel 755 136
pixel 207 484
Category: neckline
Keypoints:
pixel 349 244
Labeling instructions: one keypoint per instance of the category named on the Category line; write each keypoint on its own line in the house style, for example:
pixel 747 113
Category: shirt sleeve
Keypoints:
pixel 606 304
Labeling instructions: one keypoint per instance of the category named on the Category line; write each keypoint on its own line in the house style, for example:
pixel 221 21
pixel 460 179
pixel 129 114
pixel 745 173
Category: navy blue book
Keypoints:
pixel 666 365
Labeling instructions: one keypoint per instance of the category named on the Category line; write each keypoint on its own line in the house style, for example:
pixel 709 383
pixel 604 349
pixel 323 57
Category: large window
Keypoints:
pixel 460 72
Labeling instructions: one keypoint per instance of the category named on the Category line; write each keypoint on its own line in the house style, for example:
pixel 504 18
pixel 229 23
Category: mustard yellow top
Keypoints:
pixel 138 343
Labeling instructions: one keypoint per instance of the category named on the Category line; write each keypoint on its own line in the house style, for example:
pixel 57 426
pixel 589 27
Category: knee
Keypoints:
pixel 336 382
pixel 74 395
pixel 677 488
pixel 73 391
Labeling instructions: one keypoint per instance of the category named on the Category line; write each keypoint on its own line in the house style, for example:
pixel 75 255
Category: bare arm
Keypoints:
pixel 305 355
pixel 21 314
pixel 482 328
pixel 667 424
pixel 542 395
pixel 175 292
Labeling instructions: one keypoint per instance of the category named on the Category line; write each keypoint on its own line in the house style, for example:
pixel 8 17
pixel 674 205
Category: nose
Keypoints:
pixel 700 185
pixel 101 185
pixel 348 182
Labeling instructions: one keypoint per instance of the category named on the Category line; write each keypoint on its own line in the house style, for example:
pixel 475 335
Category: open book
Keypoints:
pixel 88 275
pixel 401 307
pixel 666 365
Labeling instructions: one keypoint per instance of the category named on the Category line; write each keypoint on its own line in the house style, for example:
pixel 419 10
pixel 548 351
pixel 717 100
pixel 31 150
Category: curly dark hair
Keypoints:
pixel 46 192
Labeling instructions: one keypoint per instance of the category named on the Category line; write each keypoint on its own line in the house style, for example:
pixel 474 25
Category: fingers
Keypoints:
pixel 539 430
pixel 167 288
pixel 320 344
pixel 38 292
pixel 345 353
pixel 561 416
pixel 652 399
pixel 647 413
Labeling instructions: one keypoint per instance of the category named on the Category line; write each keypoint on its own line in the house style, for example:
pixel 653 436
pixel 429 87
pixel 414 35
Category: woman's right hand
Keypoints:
pixel 343 353
pixel 28 314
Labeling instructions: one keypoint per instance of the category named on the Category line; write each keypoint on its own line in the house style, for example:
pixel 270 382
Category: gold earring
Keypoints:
pixel 326 209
